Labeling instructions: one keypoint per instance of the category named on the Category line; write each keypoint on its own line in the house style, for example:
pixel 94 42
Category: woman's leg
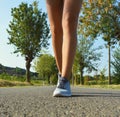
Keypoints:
pixel 55 9
pixel 69 23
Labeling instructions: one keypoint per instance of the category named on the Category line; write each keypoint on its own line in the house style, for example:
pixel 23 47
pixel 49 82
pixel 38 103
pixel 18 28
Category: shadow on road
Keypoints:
pixel 94 94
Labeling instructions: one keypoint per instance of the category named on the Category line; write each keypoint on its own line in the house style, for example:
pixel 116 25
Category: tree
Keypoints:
pixel 86 57
pixel 102 75
pixel 28 32
pixel 45 65
pixel 101 18
pixel 116 65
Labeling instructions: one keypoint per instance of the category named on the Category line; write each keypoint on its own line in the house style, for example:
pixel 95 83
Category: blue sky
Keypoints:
pixel 6 56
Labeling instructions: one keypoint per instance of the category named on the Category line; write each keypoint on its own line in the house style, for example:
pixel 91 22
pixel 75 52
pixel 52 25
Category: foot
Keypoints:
pixel 63 88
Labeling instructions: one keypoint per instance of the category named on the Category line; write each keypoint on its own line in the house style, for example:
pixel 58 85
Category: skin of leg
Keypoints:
pixel 55 9
pixel 71 11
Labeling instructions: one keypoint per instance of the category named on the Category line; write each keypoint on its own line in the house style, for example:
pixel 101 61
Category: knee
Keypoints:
pixel 69 22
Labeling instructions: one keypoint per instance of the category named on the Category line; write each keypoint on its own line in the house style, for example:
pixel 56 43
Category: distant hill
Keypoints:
pixel 15 71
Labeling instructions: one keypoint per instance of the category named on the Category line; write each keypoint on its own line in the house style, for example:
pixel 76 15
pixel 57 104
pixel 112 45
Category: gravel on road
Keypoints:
pixel 38 102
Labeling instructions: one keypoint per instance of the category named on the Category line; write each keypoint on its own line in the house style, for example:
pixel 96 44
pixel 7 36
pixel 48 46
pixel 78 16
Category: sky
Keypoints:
pixel 7 57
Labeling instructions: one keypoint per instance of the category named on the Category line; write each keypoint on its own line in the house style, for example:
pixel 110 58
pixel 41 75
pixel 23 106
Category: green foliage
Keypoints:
pixel 39 82
pixel 9 80
pixel 45 65
pixel 101 18
pixel 86 79
pixel 116 66
pixel 94 82
pixel 28 32
pixel 105 82
pixel 102 75
pixel 86 57
pixel 102 82
pixel 76 79
pixel 5 76
pixel 53 79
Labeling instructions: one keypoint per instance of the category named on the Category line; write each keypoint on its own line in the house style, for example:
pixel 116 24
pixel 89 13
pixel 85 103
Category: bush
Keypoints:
pixel 53 79
pixel 76 79
pixel 5 76
pixel 6 83
pixel 105 82
pixel 116 80
pixel 86 80
pixel 93 82
pixel 39 82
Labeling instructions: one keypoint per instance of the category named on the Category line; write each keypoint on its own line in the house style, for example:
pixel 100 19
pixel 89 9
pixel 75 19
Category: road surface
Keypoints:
pixel 38 102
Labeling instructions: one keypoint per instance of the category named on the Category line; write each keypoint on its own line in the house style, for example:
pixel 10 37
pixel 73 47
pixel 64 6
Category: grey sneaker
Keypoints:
pixel 63 88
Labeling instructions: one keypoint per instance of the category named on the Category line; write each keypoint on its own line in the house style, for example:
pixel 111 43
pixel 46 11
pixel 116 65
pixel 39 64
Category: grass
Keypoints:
pixel 9 83
pixel 102 86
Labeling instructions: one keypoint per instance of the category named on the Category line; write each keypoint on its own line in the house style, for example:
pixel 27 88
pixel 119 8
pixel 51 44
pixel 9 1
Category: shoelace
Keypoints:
pixel 62 83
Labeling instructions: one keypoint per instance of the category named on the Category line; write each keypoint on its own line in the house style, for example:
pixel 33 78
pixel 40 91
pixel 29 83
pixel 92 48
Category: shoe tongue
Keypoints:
pixel 59 75
pixel 64 79
pixel 62 82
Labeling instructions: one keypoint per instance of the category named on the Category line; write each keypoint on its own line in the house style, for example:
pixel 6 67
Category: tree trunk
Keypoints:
pixel 81 77
pixel 109 61
pixel 48 79
pixel 72 77
pixel 79 80
pixel 28 71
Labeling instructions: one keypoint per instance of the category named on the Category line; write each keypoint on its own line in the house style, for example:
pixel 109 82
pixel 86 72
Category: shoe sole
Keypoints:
pixel 61 95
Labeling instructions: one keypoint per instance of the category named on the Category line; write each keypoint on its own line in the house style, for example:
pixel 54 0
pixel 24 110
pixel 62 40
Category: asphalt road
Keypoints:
pixel 38 102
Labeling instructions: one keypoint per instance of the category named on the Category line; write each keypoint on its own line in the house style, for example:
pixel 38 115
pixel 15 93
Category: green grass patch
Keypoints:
pixel 101 86
pixel 9 83
pixel 8 77
pixel 6 83
pixel 39 82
